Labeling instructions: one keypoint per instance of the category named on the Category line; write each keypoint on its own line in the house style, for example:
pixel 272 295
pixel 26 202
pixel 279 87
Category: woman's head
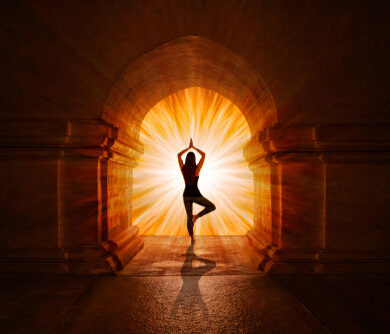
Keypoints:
pixel 189 168
pixel 190 159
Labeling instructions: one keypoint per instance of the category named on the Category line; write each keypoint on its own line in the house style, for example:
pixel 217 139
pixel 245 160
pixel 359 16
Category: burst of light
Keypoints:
pixel 218 128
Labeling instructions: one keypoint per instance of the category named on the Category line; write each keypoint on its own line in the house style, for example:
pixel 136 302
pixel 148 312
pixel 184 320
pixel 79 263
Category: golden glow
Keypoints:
pixel 218 128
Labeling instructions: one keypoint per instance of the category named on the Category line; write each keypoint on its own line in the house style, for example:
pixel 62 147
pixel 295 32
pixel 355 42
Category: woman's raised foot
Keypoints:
pixel 194 218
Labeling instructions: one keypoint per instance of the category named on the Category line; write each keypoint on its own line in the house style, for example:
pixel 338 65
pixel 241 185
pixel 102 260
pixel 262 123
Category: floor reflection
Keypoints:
pixel 189 300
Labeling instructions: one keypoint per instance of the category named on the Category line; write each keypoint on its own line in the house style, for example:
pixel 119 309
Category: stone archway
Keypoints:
pixel 182 63
pixel 289 162
pixel 95 167
pixel 179 64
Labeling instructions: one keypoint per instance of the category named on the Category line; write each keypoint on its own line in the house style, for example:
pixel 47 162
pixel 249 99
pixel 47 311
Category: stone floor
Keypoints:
pixel 210 287
pixel 163 256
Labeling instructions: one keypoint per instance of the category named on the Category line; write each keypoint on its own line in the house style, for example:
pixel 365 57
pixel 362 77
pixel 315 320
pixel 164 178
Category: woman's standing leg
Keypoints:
pixel 188 207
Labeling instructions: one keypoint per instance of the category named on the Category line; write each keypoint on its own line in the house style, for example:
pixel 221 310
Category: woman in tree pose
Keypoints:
pixel 190 171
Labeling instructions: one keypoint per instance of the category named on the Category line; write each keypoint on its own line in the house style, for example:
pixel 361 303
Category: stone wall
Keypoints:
pixel 78 78
pixel 329 197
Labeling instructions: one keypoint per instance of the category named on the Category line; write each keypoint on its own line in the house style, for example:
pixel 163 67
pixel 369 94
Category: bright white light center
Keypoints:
pixel 218 128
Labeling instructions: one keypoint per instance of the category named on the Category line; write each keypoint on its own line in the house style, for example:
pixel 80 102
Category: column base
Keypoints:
pixel 319 261
pixel 121 250
pixel 105 258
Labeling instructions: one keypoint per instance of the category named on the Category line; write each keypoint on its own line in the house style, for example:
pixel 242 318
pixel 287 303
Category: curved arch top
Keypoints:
pixel 182 63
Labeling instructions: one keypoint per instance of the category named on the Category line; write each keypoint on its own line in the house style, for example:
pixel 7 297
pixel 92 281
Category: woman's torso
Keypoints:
pixel 191 190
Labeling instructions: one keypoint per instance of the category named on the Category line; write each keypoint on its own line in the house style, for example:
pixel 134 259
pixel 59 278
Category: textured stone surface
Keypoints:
pixel 354 303
pixel 213 289
pixel 193 304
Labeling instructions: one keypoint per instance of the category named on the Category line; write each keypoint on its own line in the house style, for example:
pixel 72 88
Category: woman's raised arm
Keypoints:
pixel 179 156
pixel 201 161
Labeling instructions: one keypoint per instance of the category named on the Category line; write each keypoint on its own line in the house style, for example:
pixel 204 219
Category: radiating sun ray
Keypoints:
pixel 218 128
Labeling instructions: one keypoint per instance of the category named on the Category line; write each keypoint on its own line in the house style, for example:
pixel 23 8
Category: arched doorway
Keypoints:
pixel 191 61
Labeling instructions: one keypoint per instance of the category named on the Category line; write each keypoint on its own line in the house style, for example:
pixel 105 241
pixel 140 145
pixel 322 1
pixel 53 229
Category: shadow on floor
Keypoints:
pixel 190 288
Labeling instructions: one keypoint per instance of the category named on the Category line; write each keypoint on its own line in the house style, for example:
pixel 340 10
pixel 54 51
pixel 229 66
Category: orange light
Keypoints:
pixel 218 128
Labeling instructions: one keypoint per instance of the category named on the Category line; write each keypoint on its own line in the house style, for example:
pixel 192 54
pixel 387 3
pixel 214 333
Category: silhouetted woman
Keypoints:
pixel 190 171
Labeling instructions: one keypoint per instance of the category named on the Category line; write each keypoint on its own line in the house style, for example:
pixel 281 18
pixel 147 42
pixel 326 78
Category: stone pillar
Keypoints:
pixel 328 186
pixel 67 197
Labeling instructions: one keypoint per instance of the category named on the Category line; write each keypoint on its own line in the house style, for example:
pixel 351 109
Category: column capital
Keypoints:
pixel 301 141
pixel 67 139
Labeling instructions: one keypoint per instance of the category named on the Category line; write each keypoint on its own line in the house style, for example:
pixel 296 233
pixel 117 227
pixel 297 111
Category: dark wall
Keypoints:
pixel 324 61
